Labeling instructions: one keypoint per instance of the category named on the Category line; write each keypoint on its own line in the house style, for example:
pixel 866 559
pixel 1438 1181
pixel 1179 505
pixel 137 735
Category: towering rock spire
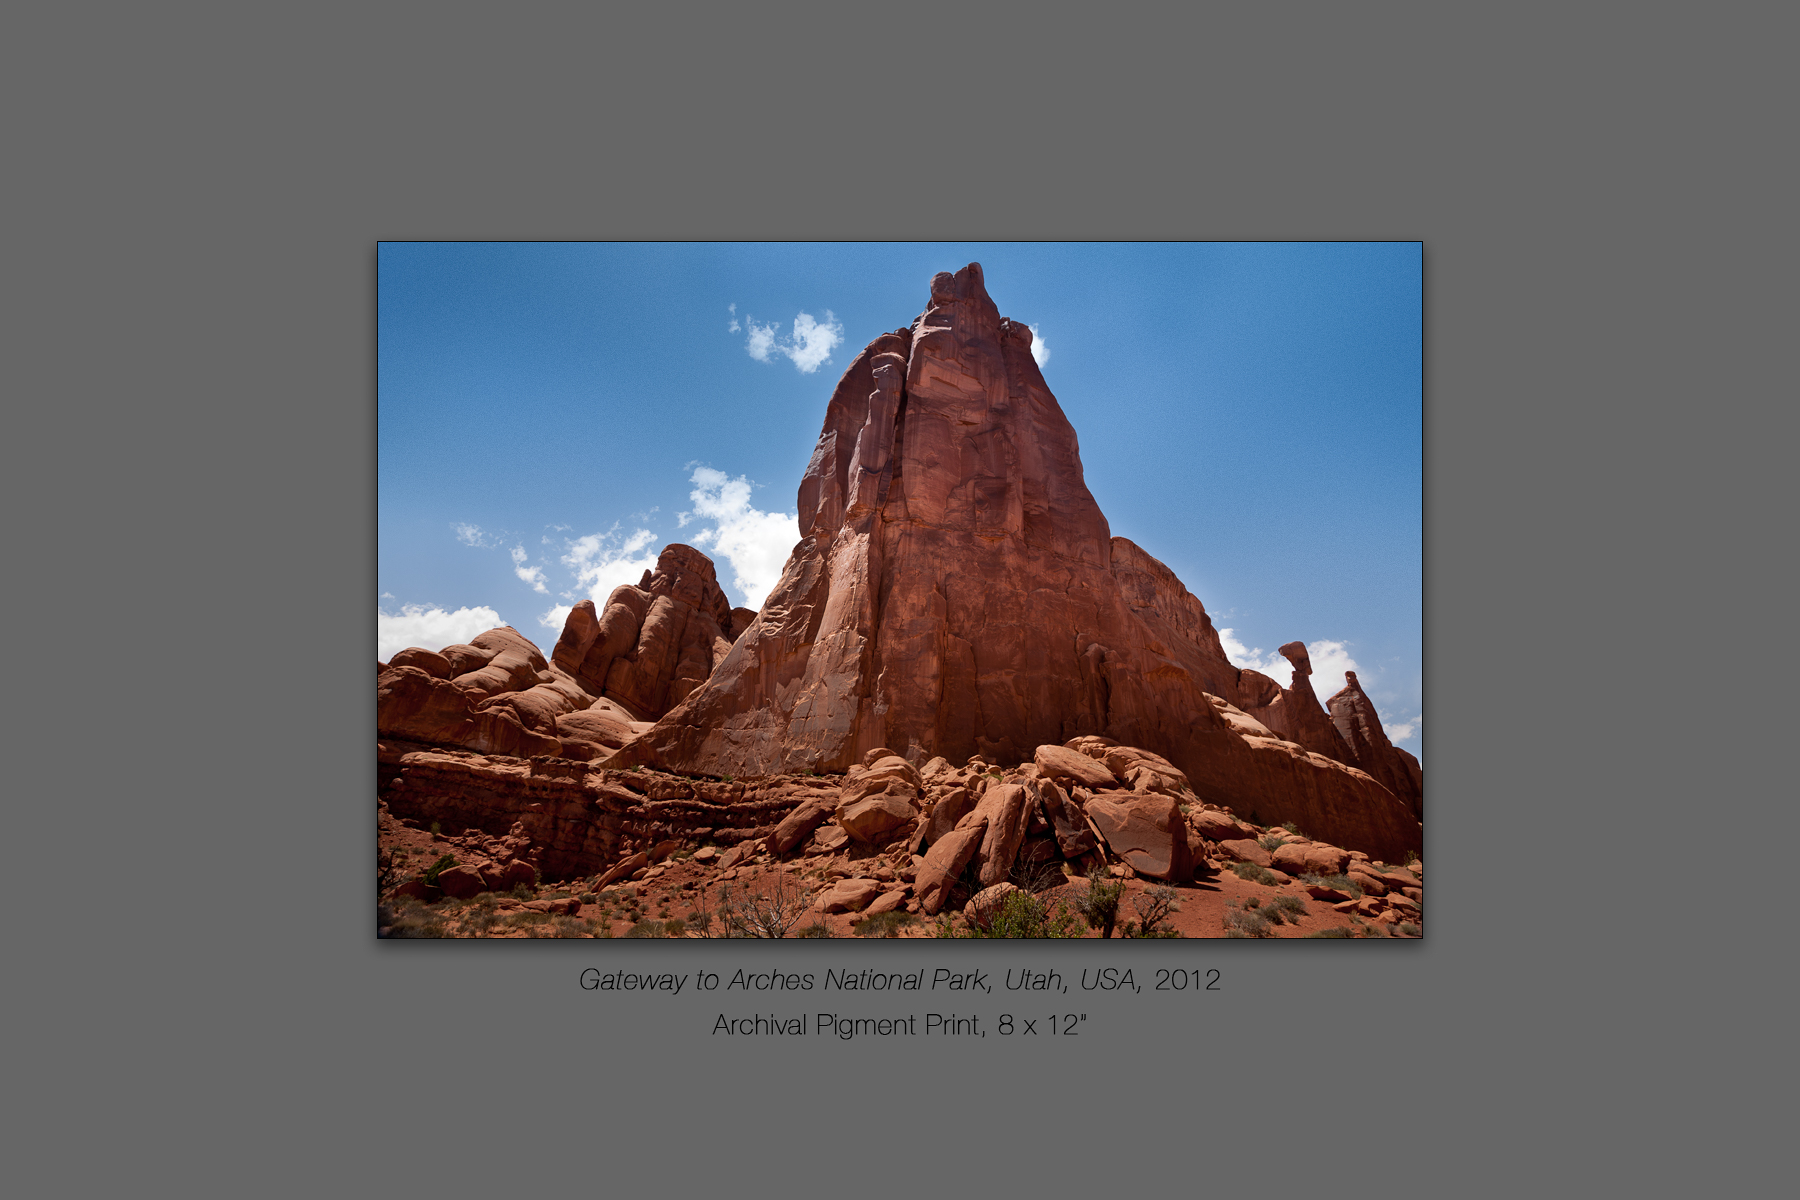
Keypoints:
pixel 957 590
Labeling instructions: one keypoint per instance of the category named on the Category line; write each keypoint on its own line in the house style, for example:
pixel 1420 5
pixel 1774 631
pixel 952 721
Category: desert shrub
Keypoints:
pixel 431 872
pixel 1153 907
pixel 675 927
pixel 436 829
pixel 818 929
pixel 1246 923
pixel 645 929
pixel 1284 908
pixel 527 918
pixel 886 925
pixel 1412 856
pixel 1021 915
pixel 481 920
pixel 417 923
pixel 1271 841
pixel 522 891
pixel 1254 873
pixel 771 910
pixel 588 898
pixel 1038 876
pixel 387 870
pixel 1099 905
pixel 1292 828
pixel 1336 931
pixel 1408 928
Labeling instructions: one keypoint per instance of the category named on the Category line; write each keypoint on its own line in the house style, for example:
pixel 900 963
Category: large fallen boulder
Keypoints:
pixel 945 861
pixel 1146 831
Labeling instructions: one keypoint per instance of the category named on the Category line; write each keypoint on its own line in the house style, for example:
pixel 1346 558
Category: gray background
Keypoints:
pixel 195 193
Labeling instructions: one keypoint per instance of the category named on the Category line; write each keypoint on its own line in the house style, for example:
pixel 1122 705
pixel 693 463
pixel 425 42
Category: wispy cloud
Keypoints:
pixel 755 543
pixel 532 575
pixel 429 626
pixel 474 535
pixel 809 348
pixel 1040 349
pixel 734 326
pixel 1330 659
pixel 1404 731
pixel 603 561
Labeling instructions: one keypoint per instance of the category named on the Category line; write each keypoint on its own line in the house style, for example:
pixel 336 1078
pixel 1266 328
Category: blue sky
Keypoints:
pixel 551 415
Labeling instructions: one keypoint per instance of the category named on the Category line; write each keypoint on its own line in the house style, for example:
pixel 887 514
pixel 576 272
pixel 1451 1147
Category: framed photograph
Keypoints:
pixel 900 590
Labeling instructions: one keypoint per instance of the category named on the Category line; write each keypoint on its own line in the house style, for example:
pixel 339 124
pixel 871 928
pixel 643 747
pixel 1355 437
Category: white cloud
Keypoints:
pixel 473 535
pixel 1271 664
pixel 1040 349
pixel 429 626
pixel 808 349
pixel 556 617
pixel 1329 662
pixel 1403 732
pixel 604 561
pixel 733 327
pixel 532 575
pixel 756 543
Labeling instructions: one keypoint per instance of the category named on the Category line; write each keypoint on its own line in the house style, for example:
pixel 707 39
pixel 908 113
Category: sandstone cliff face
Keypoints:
pixel 957 591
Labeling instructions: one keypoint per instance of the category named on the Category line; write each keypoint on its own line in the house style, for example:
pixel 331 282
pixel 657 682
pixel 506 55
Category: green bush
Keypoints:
pixel 1288 908
pixel 1021 915
pixel 1254 873
pixel 1099 905
pixel 431 872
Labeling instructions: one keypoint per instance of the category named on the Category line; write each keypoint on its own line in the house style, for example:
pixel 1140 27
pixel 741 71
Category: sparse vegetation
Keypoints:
pixel 431 872
pixel 1292 828
pixel 1021 915
pixel 818 929
pixel 1336 931
pixel 1284 908
pixel 1099 905
pixel 1408 928
pixel 1271 841
pixel 1246 923
pixel 886 925
pixel 1153 908
pixel 646 929
pixel 1254 873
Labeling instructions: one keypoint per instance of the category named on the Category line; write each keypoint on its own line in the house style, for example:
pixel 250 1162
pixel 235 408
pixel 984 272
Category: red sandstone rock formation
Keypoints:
pixel 958 591
pixel 612 675
pixel 653 644
pixel 1359 725
pixel 1294 712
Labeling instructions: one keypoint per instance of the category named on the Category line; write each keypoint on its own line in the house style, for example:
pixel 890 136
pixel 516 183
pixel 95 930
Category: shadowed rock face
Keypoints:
pixel 957 591
pixel 1359 725
pixel 654 643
